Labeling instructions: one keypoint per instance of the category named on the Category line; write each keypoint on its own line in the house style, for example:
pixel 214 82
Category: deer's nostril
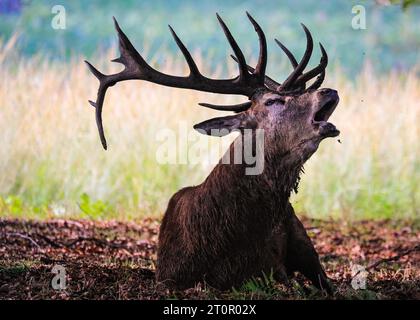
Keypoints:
pixel 325 92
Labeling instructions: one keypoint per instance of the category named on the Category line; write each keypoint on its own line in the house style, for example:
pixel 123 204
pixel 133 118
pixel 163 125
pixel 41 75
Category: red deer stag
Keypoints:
pixel 235 226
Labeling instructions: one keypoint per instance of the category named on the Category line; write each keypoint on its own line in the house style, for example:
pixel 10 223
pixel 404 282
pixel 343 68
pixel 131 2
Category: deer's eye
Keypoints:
pixel 269 102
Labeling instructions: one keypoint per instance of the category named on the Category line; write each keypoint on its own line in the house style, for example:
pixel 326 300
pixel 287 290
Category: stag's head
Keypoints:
pixel 293 116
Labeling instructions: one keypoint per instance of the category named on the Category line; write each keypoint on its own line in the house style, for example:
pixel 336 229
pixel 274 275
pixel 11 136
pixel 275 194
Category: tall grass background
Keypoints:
pixel 52 163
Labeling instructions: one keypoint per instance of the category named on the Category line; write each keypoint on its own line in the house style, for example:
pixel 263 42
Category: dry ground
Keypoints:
pixel 115 260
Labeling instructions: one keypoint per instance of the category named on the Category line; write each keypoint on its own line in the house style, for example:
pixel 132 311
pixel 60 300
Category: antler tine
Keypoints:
pixel 243 72
pixel 259 70
pixel 250 69
pixel 292 60
pixel 103 86
pixel 127 50
pixel 289 82
pixel 234 107
pixel 315 71
pixel 190 61
pixel 317 83
pixel 290 55
pixel 262 58
pixel 269 82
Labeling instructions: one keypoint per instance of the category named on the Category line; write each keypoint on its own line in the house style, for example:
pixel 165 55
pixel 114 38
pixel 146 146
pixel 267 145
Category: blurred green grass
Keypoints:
pixel 52 163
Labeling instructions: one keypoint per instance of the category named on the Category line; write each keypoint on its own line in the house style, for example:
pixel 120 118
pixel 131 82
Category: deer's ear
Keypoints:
pixel 222 126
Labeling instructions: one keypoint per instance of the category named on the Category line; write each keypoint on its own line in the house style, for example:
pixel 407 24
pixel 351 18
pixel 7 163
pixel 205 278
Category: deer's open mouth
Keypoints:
pixel 327 129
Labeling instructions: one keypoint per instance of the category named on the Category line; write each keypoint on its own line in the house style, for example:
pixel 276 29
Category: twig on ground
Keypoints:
pixel 24 236
pixel 71 243
pixel 96 240
pixel 49 241
pixel 393 258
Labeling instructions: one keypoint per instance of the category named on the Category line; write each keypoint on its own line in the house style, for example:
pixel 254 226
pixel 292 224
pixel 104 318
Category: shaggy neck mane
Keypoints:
pixel 280 176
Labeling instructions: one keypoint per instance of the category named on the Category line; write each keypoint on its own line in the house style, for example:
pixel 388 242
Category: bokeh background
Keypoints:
pixel 51 160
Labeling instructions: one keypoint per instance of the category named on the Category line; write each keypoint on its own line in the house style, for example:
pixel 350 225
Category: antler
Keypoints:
pixel 136 68
pixel 296 81
pixel 246 83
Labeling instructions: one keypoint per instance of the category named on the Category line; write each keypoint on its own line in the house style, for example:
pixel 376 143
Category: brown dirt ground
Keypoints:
pixel 115 260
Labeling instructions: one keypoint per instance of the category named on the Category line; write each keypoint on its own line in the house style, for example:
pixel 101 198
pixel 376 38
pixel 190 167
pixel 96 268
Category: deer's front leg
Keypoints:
pixel 279 250
pixel 301 255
